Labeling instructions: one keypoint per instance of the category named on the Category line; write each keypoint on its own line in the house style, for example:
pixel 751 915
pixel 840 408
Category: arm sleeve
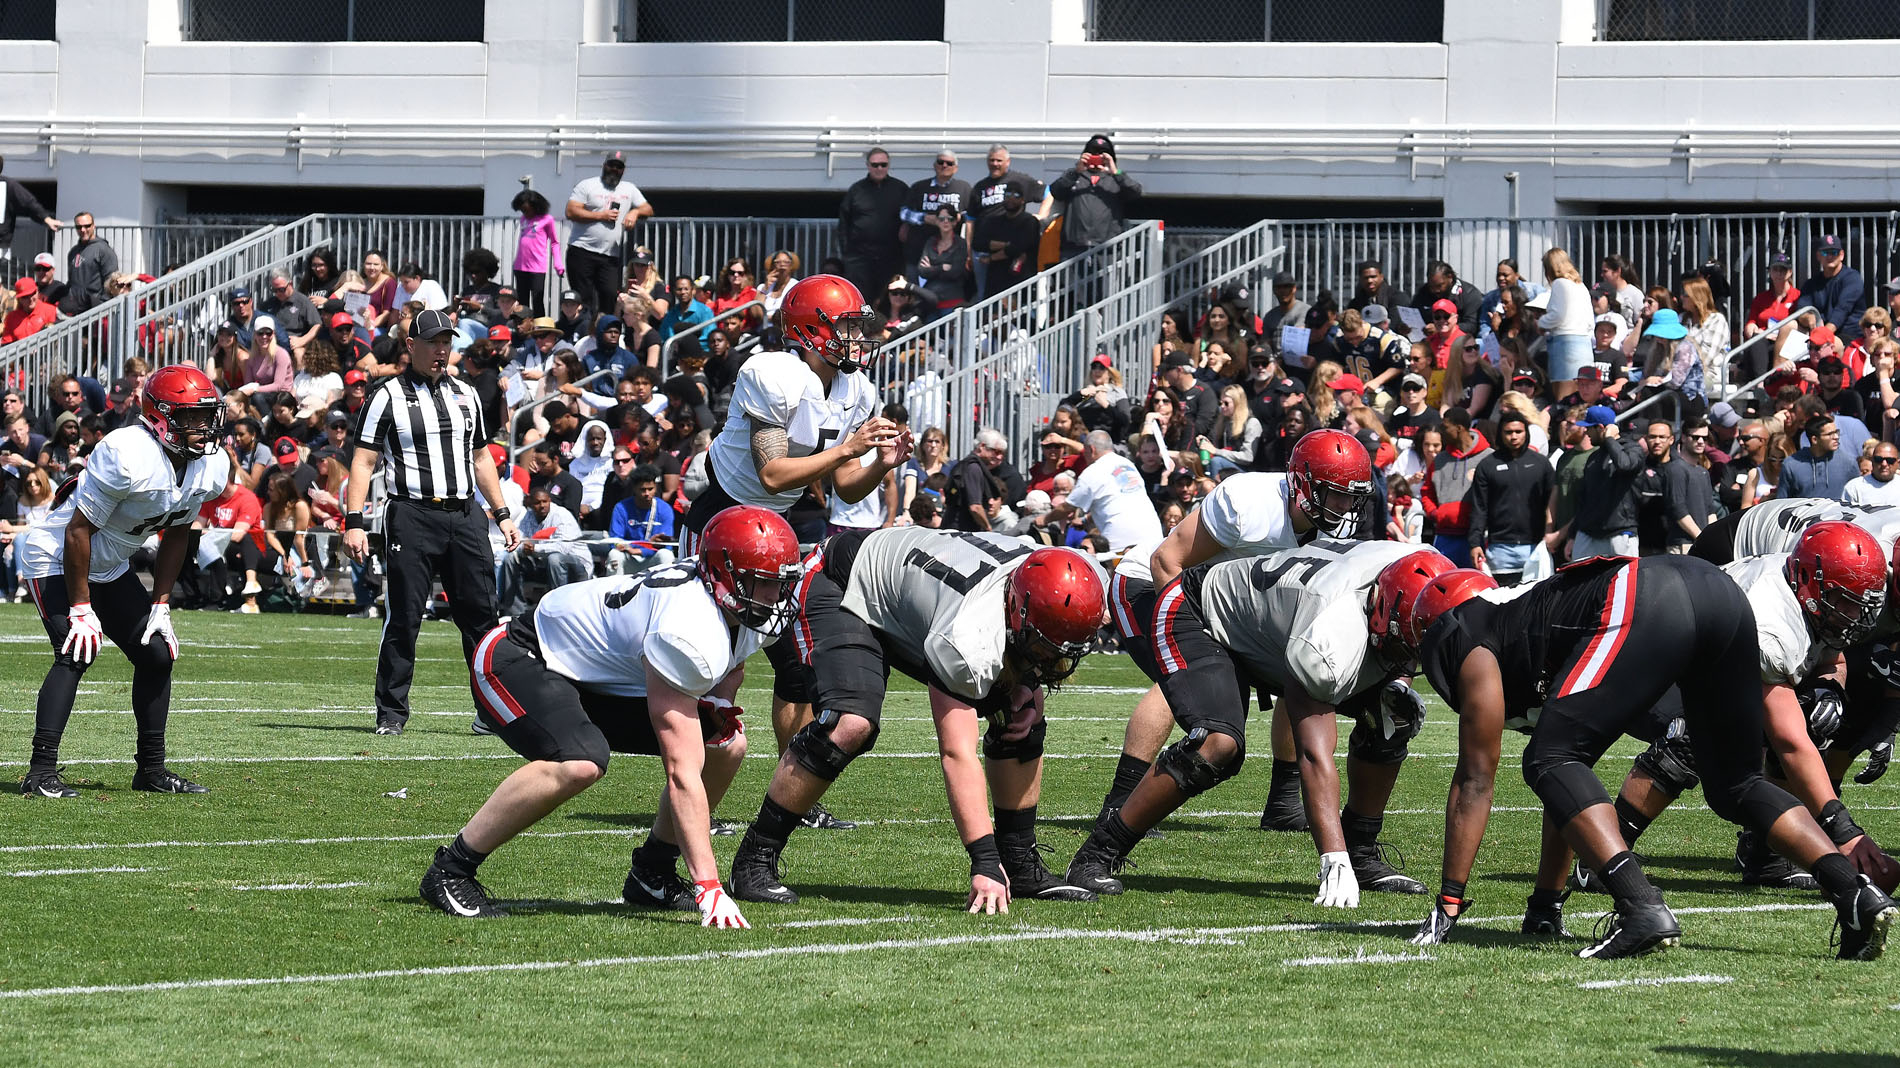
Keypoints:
pixel 685 668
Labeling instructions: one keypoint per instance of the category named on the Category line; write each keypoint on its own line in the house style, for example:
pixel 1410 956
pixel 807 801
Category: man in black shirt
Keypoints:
pixel 1509 502
pixel 1441 283
pixel 1005 244
pixel 1674 508
pixel 868 224
pixel 1605 523
pixel 1201 406
pixel 1413 416
pixel 1375 288
pixel 942 189
pixel 1840 399
pixel 545 472
pixel 973 484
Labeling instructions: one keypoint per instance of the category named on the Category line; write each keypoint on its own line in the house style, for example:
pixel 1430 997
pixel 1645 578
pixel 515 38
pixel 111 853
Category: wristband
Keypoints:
pixel 985 859
pixel 1838 824
pixel 355 521
pixel 501 514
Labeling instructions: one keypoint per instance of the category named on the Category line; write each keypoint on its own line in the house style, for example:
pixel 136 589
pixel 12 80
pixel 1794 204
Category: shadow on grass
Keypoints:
pixel 614 819
pixel 1750 1058
pixel 1188 884
pixel 901 896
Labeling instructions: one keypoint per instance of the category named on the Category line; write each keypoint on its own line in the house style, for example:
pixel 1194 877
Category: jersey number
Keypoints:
pixel 659 580
pixel 964 582
pixel 1265 579
pixel 169 519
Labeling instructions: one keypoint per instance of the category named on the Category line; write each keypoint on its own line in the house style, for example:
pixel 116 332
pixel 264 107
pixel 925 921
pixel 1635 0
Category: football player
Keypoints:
pixel 630 664
pixel 143 479
pixel 1311 625
pixel 984 621
pixel 799 417
pixel 1324 492
pixel 1594 647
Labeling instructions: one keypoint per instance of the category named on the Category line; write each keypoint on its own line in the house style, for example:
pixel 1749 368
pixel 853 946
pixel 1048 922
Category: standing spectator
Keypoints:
pixel 1288 310
pixel 1095 194
pixel 45 269
pixel 644 521
pixel 1680 501
pixel 1878 487
pixel 550 549
pixel 603 209
pixel 974 486
pixel 868 224
pixel 1006 241
pixel 1576 446
pixel 1449 482
pixel 943 270
pixel 1510 502
pixel 1111 493
pixel 1837 291
pixel 1823 468
pixel 1569 322
pixel 424 426
pixel 538 248
pixel 296 317
pixel 1778 301
pixel 1708 328
pixel 1441 283
pixel 1618 276
pixel 89 264
pixel 1731 479
pixel 988 201
pixel 30 314
pixel 17 202
pixel 1605 521
pixel 925 197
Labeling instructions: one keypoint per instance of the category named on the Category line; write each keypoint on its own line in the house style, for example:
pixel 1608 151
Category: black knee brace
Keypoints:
pixel 1192 772
pixel 1670 762
pixel 1026 750
pixel 1566 788
pixel 1384 732
pixel 814 750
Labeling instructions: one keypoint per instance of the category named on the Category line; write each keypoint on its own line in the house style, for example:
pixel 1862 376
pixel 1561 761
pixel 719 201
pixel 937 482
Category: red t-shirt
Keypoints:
pixel 240 507
pixel 1767 305
pixel 19 324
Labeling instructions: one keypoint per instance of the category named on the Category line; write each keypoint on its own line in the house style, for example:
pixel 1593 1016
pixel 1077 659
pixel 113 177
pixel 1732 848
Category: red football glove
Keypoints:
pixel 720 720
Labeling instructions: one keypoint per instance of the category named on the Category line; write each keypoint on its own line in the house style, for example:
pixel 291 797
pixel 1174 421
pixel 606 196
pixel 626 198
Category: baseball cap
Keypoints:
pixel 1446 306
pixel 26 287
pixel 498 453
pixel 227 327
pixel 1413 382
pixel 1287 387
pixel 342 321
pixel 262 323
pixel 1780 259
pixel 1283 278
pixel 507 291
pixel 1540 302
pixel 240 293
pixel 431 324
pixel 1523 376
pixel 568 296
pixel 1609 319
pixel 1375 314
pixel 1831 363
pixel 1035 502
pixel 353 376
pixel 615 157
pixel 1175 359
pixel 1598 415
pixel 1590 371
pixel 1102 359
pixel 1829 245
pixel 1722 413
pixel 318 455
pixel 336 419
pixel 1349 381
pixel 286 450
pixel 1603 292
pixel 643 256
pixel 1016 187
pixel 501 334
pixel 45 259
pixel 1822 335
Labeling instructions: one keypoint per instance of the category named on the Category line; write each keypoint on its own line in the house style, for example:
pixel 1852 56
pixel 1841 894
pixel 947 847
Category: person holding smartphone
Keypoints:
pixel 1095 195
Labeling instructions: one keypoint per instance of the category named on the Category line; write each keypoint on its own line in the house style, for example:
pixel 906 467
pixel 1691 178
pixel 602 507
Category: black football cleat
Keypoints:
pixel 165 781
pixel 755 874
pixel 389 728
pixel 819 818
pixel 1544 921
pixel 1284 815
pixel 457 895
pixel 1375 875
pixel 1583 880
pixel 1094 869
pixel 1862 921
pixel 651 888
pixel 1635 929
pixel 1030 878
pixel 46 784
pixel 1776 873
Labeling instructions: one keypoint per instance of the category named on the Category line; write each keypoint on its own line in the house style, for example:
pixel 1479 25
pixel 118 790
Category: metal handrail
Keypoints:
pixel 515 414
pixel 1730 394
pixel 666 349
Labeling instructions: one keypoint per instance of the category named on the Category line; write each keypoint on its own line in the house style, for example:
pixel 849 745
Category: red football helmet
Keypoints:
pixel 1839 576
pixel 1393 597
pixel 1441 595
pixel 1331 477
pixel 183 410
pixel 828 316
pixel 1053 605
pixel 748 559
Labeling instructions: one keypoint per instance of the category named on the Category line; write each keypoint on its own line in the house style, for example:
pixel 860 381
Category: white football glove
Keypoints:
pixel 1338 886
pixel 83 633
pixel 1436 930
pixel 716 908
pixel 160 623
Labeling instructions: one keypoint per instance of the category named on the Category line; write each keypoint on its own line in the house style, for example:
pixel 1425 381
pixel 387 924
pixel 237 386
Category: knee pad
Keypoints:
pixel 814 750
pixel 1566 788
pixel 1192 772
pixel 1670 762
pixel 1027 749
pixel 1383 733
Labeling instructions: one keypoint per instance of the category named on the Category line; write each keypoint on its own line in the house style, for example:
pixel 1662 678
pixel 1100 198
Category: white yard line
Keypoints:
pixel 300 886
pixel 115 870
pixel 1359 957
pixel 242 843
pixel 1661 980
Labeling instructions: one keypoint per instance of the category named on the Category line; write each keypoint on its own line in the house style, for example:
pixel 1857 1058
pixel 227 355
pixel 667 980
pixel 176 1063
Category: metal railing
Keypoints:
pixel 142 249
pixel 1722 390
pixel 515 446
pixel 666 349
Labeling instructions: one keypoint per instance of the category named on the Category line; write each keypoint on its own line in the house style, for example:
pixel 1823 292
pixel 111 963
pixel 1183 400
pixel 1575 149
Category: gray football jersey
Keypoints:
pixel 1298 618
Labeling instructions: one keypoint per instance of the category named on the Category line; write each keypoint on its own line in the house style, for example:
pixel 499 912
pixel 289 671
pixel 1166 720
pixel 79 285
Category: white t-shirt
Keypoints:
pixel 1788 649
pixel 428 291
pixel 604 633
pixel 1110 490
pixel 1867 490
pixel 593 194
pixel 128 491
pixel 866 514
pixel 779 389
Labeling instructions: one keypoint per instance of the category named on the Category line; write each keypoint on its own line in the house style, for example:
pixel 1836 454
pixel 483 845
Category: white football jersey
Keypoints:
pixel 940 593
pixel 1774 526
pixel 1789 651
pixel 778 389
pixel 1249 514
pixel 1299 618
pixel 128 491
pixel 604 633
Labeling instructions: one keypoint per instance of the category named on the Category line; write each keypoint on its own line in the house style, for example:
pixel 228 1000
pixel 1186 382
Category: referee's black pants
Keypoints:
pixel 422 543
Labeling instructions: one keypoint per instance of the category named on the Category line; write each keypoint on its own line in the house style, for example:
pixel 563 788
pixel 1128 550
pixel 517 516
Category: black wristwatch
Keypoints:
pixel 501 513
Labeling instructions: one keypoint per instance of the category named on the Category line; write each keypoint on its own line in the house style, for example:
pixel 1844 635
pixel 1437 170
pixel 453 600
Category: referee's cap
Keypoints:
pixel 431 324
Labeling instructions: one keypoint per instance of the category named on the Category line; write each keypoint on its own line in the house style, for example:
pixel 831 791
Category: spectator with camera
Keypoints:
pixel 1095 195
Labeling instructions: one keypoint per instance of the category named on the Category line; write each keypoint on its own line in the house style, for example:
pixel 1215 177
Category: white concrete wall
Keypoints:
pixel 1004 61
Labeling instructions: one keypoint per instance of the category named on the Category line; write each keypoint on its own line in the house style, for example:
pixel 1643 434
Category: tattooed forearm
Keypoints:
pixel 768 443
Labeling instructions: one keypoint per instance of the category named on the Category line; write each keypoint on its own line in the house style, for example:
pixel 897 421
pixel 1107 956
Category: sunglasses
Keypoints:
pixel 1698 437
pixel 1887 459
pixel 1410 389
pixel 878 166
pixel 1753 437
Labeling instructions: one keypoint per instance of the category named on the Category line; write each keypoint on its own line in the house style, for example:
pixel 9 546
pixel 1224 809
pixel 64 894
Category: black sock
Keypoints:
pixel 656 854
pixel 774 822
pixel 1284 787
pixel 1623 877
pixel 1632 821
pixel 1115 834
pixel 1016 826
pixel 1360 830
pixel 1547 899
pixel 461 859
pixel 1836 875
pixel 1129 771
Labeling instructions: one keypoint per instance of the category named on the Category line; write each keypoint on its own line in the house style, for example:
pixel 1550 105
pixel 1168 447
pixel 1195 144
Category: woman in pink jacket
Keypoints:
pixel 540 242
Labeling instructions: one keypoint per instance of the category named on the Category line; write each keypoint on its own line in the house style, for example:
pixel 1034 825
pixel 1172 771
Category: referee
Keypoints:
pixel 428 429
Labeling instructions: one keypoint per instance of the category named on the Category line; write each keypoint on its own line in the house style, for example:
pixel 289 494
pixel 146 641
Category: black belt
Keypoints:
pixel 440 504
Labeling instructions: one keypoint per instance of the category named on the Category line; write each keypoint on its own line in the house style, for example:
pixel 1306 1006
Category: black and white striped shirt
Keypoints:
pixel 427 433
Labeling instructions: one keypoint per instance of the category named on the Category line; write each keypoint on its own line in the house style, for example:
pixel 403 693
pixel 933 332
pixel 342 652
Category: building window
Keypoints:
pixel 1747 20
pixel 27 21
pixel 781 20
pixel 332 20
pixel 1306 21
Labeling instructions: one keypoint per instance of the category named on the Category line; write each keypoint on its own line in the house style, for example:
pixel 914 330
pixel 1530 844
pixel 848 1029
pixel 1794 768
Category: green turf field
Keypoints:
pixel 277 917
